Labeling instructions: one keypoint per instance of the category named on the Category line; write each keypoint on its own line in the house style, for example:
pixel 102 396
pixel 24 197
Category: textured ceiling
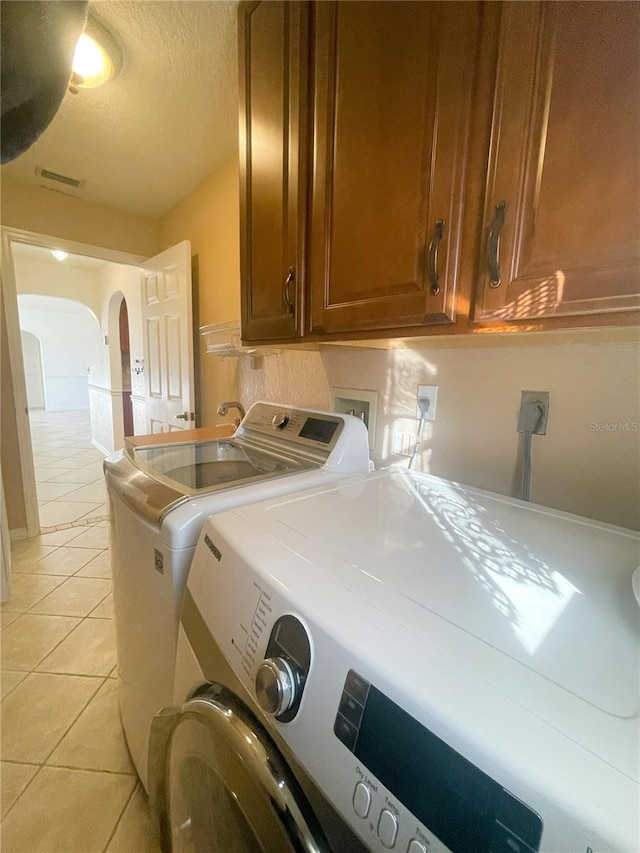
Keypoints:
pixel 147 138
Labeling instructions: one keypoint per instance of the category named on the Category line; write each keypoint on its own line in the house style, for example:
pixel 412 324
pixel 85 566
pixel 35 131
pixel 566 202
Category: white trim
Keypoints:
pixel 110 392
pixel 100 448
pixel 16 363
pixel 74 248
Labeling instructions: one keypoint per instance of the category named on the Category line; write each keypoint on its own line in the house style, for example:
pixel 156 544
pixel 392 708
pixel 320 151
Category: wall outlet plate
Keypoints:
pixel 362 404
pixel 529 397
pixel 430 393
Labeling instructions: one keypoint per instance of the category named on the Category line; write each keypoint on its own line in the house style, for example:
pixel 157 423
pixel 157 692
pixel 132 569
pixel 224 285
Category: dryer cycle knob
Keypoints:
pixel 275 686
pixel 280 420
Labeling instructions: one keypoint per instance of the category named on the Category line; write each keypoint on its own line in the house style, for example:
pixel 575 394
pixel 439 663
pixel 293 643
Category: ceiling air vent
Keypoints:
pixel 60 179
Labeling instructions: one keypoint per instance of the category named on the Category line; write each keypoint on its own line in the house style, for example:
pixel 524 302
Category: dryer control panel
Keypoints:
pixel 464 808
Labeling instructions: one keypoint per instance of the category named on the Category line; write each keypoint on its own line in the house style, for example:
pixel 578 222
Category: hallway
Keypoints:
pixel 68 784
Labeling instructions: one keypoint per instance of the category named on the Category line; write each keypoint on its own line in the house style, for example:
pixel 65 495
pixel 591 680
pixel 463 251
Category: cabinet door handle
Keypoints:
pixel 433 256
pixel 493 246
pixel 290 279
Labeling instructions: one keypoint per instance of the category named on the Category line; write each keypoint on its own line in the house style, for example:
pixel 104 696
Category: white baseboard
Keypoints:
pixel 100 448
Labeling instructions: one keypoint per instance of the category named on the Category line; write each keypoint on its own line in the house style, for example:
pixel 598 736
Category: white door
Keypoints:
pixel 168 339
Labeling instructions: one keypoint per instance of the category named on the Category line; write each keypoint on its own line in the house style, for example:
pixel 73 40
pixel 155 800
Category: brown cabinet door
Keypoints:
pixel 273 58
pixel 392 88
pixel 565 161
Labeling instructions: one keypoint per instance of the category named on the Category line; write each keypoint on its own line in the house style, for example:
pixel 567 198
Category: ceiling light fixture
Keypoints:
pixel 59 254
pixel 97 57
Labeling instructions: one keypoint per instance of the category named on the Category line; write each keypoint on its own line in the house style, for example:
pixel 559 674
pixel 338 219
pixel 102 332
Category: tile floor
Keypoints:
pixel 67 781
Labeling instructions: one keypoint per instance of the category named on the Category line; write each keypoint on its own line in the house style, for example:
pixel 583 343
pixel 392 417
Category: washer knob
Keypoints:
pixel 275 686
pixel 280 420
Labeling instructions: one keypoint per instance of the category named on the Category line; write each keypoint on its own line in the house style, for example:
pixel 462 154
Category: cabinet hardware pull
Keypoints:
pixel 285 291
pixel 493 246
pixel 433 256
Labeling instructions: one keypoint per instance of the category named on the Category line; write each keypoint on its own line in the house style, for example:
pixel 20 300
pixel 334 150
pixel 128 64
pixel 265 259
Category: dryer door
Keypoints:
pixel 219 784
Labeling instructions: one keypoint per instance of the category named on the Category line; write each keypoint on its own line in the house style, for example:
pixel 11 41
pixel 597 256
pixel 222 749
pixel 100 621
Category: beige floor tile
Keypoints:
pixel 93 492
pixel 75 597
pixel 28 589
pixel 66 811
pixel 114 672
pixel 7 617
pixel 60 537
pixel 90 649
pixel 40 711
pixel 52 491
pixel 92 537
pixel 29 550
pixel 99 567
pixel 44 474
pixel 23 562
pixel 98 512
pixel 14 778
pixel 96 740
pixel 63 512
pixel 61 465
pixel 31 638
pixel 10 679
pixel 80 475
pixel 104 610
pixel 136 831
pixel 64 561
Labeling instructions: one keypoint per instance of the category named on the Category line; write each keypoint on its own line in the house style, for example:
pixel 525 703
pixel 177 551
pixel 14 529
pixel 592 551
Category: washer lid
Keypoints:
pixel 549 590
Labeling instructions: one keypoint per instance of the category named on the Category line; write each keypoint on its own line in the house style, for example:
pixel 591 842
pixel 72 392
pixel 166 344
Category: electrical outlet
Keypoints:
pixel 430 393
pixel 528 398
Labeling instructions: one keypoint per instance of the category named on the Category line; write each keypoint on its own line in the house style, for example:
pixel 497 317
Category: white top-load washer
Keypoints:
pixel 455 670
pixel 159 497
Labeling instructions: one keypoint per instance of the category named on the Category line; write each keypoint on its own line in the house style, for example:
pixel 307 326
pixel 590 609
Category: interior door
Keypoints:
pixel 168 339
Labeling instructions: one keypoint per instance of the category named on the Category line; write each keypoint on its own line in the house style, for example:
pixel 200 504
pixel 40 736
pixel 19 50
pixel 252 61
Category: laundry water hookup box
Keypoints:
pixel 362 404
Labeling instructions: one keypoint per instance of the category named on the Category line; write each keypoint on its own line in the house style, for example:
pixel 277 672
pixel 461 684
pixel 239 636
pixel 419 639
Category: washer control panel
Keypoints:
pixel 413 791
pixel 304 428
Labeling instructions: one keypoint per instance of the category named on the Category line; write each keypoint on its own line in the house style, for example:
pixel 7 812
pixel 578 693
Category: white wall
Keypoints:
pixel 578 466
pixel 55 278
pixel 68 335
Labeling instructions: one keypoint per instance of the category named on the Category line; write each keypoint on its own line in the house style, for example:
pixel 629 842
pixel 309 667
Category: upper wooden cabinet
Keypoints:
pixel 392 87
pixel 564 164
pixel 430 167
pixel 273 59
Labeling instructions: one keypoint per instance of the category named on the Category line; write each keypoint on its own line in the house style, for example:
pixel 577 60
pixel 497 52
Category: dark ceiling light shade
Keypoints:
pixel 37 43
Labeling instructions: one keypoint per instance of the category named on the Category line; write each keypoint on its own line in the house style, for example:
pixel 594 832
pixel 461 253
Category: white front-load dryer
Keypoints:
pixel 453 670
pixel 159 497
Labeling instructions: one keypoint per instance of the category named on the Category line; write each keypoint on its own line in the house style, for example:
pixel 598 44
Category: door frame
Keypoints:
pixel 15 235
